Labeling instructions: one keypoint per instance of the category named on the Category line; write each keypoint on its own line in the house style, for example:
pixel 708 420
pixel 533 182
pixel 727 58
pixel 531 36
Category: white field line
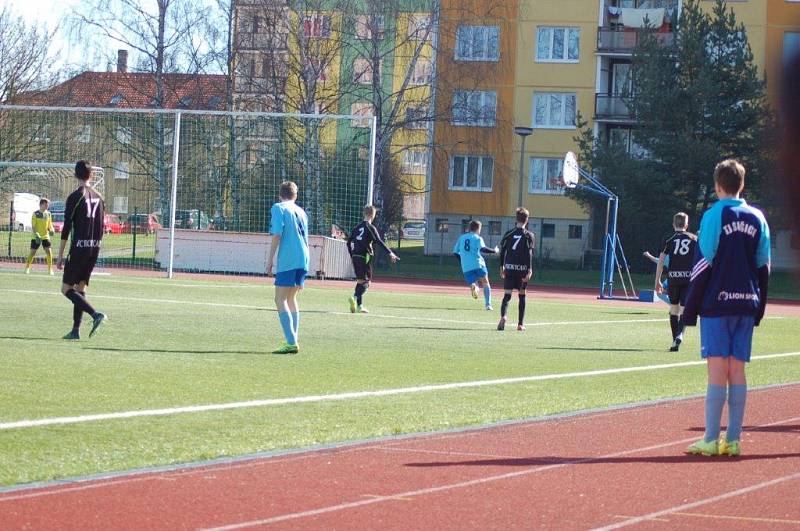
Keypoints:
pixel 382 316
pixel 21 424
pixel 480 481
pixel 700 503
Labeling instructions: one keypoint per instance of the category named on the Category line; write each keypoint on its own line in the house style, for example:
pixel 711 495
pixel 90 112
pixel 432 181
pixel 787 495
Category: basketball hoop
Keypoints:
pixel 571 172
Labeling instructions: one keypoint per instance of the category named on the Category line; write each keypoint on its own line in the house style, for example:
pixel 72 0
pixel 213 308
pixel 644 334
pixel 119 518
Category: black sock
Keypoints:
pixel 80 302
pixel 360 289
pixel 77 316
pixel 521 309
pixel 673 324
pixel 680 326
pixel 504 304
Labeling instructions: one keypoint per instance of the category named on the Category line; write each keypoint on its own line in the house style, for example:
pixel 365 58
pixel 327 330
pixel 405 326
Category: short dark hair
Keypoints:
pixel 288 190
pixel 43 201
pixel 680 220
pixel 83 170
pixel 475 225
pixel 523 215
pixel 729 176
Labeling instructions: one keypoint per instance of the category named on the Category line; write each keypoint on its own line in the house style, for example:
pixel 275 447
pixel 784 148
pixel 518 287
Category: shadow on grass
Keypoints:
pixel 627 313
pixel 169 351
pixel 481 309
pixel 20 338
pixel 553 460
pixel 483 330
pixel 578 349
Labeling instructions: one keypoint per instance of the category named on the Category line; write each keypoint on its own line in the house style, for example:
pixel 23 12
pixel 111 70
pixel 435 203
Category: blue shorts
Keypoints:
pixel 292 278
pixel 472 276
pixel 730 335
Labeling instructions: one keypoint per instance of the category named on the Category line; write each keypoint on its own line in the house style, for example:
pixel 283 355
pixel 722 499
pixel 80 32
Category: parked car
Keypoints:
pixel 191 219
pixel 111 224
pixel 414 230
pixel 57 207
pixel 58 221
pixel 24 207
pixel 144 224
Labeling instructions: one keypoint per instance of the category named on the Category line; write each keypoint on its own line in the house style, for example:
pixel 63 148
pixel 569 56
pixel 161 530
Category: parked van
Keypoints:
pixel 24 206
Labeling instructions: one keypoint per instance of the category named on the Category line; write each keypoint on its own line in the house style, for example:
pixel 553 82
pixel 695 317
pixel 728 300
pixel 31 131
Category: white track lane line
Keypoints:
pixel 700 503
pixel 480 481
pixel 60 421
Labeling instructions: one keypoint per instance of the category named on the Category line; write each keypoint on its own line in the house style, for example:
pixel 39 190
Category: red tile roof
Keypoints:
pixel 131 90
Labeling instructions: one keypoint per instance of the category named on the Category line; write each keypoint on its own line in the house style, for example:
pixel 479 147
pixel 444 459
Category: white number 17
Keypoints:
pixel 91 206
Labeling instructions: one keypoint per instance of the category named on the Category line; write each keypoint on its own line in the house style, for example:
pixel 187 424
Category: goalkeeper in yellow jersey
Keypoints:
pixel 42 224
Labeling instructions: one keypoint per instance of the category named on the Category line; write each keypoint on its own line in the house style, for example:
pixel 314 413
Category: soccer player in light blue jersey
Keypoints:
pixel 728 291
pixel 468 249
pixel 289 229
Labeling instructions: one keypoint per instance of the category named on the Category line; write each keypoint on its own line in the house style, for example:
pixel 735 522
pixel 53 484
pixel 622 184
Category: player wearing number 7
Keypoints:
pixel 679 249
pixel 83 220
pixel 516 259
pixel 289 229
pixel 360 246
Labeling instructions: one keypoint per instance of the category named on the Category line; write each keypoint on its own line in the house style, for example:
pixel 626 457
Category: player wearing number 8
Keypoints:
pixel 83 220
pixel 289 229
pixel 679 249
pixel 468 249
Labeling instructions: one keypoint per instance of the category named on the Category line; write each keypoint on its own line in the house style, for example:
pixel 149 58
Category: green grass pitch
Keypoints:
pixel 188 342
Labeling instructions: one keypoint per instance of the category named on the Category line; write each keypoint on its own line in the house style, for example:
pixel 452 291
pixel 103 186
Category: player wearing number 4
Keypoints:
pixel 679 250
pixel 361 249
pixel 83 220
pixel 468 249
pixel 516 258
pixel 289 229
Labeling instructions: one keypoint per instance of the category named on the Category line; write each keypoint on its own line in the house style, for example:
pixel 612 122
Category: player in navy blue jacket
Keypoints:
pixel 728 291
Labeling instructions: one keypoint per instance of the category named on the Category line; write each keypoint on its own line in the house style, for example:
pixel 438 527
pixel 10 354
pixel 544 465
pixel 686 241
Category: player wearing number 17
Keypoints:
pixel 289 229
pixel 83 220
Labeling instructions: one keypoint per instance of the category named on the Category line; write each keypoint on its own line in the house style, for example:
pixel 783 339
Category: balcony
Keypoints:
pixel 611 108
pixel 623 41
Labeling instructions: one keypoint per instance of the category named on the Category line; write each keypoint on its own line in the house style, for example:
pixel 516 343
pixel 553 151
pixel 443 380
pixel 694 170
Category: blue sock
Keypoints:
pixel 715 401
pixel 288 327
pixel 296 322
pixel 487 295
pixel 737 398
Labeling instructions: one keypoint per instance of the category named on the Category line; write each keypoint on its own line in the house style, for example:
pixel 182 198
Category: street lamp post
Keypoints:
pixel 524 133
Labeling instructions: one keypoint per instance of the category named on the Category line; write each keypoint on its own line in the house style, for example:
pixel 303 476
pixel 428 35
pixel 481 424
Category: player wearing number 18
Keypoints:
pixel 516 257
pixel 289 229
pixel 83 220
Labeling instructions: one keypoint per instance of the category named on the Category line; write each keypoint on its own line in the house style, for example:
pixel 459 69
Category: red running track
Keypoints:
pixel 616 467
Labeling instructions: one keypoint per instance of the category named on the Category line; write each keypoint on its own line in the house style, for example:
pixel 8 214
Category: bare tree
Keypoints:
pixel 25 62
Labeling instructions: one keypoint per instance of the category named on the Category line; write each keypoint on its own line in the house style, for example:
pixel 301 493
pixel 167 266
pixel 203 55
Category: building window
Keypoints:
pixel 366 24
pixel 120 205
pixel 423 69
pixel 418 26
pixel 475 108
pixel 121 170
pixel 473 174
pixel 558 45
pixel 576 232
pixel 478 43
pixel 256 24
pixel 417 117
pixel 548 230
pixel 415 161
pixel 791 46
pixel 544 176
pixel 83 134
pixel 554 110
pixel 495 228
pixel 362 71
pixel 364 110
pixel 442 225
pixel 318 26
pixel 41 133
pixel 124 134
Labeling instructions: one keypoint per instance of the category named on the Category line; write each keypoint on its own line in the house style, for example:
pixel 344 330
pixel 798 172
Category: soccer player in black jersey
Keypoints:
pixel 679 249
pixel 516 259
pixel 83 220
pixel 360 246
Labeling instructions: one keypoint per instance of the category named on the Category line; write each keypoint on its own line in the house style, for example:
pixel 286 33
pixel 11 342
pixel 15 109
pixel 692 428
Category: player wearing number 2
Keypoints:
pixel 361 249
pixel 83 220
pixel 679 249
pixel 289 229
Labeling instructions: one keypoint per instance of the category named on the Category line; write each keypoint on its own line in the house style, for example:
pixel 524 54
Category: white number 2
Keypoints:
pixel 360 234
pixel 91 206
pixel 518 239
pixel 682 247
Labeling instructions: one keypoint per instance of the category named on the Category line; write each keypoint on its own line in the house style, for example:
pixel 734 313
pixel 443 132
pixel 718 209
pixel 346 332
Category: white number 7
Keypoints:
pixel 91 206
pixel 519 239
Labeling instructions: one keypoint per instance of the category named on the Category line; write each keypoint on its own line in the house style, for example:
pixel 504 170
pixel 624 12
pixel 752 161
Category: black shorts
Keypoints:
pixel 362 267
pixel 515 280
pixel 36 243
pixel 78 268
pixel 677 293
